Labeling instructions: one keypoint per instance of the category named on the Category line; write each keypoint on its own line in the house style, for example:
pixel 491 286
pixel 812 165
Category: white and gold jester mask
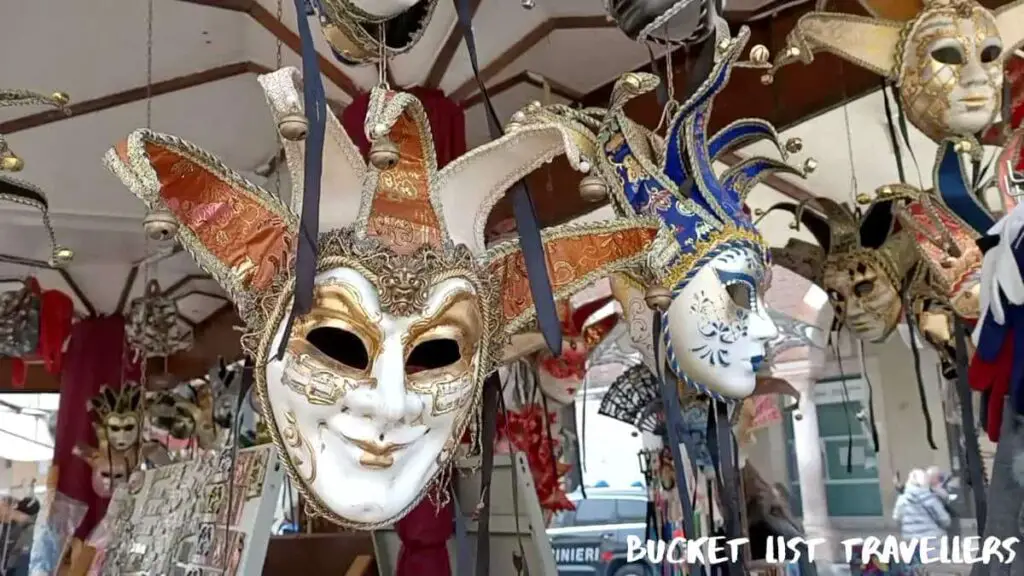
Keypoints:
pixel 946 56
pixel 410 311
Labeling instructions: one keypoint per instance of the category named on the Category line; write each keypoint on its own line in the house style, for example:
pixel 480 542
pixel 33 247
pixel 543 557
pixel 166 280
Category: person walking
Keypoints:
pixel 921 512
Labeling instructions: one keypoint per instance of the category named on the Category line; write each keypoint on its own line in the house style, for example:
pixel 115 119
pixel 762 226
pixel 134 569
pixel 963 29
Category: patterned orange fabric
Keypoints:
pixel 241 233
pixel 401 214
pixel 569 259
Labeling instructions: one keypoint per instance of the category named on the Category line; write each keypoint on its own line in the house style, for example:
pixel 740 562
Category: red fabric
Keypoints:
pixel 96 354
pixel 424 531
pixel 56 312
pixel 993 377
pixel 527 431
pixel 447 123
pixel 1014 71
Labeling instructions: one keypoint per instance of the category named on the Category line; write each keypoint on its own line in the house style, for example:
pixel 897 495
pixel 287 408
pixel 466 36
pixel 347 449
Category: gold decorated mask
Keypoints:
pixel 381 378
pixel 859 262
pixel 946 56
pixel 863 295
pixel 117 417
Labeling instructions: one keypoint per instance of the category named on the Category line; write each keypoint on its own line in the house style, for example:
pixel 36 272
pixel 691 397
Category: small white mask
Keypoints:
pixel 720 325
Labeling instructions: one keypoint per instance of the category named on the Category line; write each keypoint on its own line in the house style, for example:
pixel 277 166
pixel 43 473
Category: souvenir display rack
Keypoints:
pixel 178 520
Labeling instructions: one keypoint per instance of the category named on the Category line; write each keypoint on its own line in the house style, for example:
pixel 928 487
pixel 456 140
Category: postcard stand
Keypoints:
pixel 505 540
pixel 174 520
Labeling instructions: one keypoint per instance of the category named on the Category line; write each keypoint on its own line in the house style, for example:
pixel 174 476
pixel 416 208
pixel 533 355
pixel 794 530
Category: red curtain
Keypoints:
pixel 95 356
pixel 425 530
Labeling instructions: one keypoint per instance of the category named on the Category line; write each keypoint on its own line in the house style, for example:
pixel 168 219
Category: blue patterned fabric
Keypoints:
pixel 953 187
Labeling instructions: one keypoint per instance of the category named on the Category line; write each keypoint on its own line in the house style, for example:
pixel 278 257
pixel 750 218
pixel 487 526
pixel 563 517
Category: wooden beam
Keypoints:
pixel 127 97
pixel 232 5
pixel 444 56
pixel 527 42
pixel 524 77
pixel 290 39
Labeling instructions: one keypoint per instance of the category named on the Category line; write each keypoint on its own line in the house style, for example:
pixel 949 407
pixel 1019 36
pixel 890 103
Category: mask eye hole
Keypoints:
pixel 740 294
pixel 433 354
pixel 863 288
pixel 948 55
pixel 340 345
pixel 990 53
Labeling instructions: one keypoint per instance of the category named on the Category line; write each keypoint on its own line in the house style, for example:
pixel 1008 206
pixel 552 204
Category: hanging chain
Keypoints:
pixel 280 15
pixel 382 55
pixel 149 66
pixel 277 158
pixel 141 355
pixel 849 154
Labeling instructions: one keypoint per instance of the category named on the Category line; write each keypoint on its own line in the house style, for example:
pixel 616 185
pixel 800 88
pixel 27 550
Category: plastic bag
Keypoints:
pixel 52 535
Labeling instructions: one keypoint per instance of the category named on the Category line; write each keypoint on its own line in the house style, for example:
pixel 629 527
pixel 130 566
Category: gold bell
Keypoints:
pixel 593 188
pixel 293 127
pixel 759 54
pixel 632 80
pixel 383 154
pixel 863 199
pixel 62 256
pixel 767 79
pixel 724 44
pixel 658 298
pixel 810 165
pixel 793 52
pixel 11 163
pixel 60 98
pixel 794 145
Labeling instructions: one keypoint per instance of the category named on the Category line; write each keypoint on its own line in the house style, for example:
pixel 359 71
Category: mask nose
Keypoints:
pixel 762 327
pixel 973 75
pixel 387 401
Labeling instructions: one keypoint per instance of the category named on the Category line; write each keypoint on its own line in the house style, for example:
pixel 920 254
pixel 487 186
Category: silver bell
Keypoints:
pixel 62 256
pixel 160 225
pixel 798 415
pixel 383 154
pixel 593 188
pixel 293 127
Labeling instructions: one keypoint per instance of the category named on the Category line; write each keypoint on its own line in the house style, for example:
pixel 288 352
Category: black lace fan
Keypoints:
pixel 634 399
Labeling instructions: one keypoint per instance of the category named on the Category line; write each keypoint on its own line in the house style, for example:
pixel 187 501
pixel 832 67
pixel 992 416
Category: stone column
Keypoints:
pixel 809 458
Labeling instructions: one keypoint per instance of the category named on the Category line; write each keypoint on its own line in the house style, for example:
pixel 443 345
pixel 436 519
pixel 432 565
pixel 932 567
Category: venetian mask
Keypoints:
pixel 865 298
pixel 109 469
pixel 859 261
pixel 945 55
pixel 709 285
pixel 560 377
pixel 720 324
pixel 117 417
pixel 355 29
pixel 376 384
